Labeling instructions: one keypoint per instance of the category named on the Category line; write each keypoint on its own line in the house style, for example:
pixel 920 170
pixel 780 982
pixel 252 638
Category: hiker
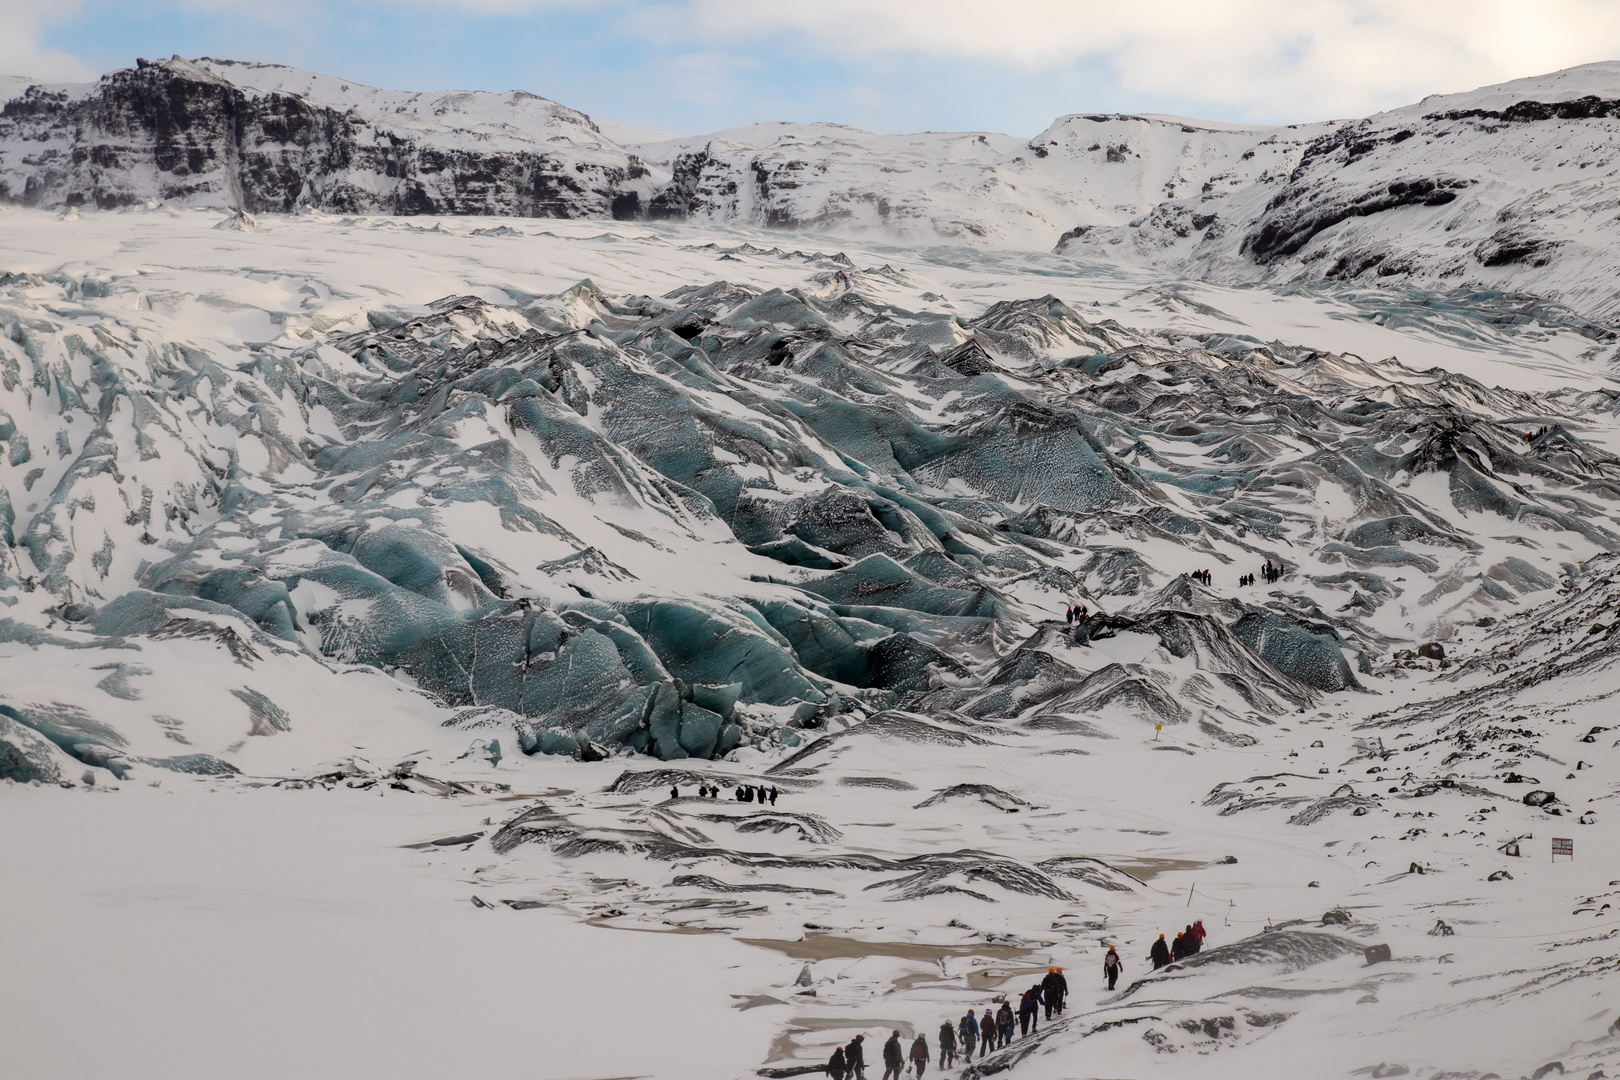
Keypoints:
pixel 1159 954
pixel 1178 948
pixel 1068 615
pixel 1004 1022
pixel 1057 990
pixel 968 1029
pixel 919 1054
pixel 1199 934
pixel 774 794
pixel 674 791
pixel 947 1045
pixel 837 1067
pixel 1026 1012
pixel 1049 991
pixel 894 1058
pixel 1037 994
pixel 1112 966
pixel 855 1057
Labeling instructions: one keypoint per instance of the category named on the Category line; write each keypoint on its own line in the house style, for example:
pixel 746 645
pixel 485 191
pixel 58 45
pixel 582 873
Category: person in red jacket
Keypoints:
pixel 919 1054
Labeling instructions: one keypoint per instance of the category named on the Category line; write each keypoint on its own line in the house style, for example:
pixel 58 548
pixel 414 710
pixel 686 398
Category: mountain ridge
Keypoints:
pixel 1498 188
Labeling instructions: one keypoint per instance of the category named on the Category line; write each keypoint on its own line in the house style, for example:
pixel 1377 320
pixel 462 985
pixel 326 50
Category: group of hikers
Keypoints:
pixel 1203 577
pixel 1187 943
pixel 1539 431
pixel 991 1031
pixel 1076 613
pixel 744 793
pixel 994 1029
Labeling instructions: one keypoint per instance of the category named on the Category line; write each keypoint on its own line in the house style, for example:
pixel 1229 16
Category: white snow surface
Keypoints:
pixel 298 916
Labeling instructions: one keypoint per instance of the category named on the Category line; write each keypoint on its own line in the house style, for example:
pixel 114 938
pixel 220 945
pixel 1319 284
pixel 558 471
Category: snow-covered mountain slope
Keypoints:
pixel 968 187
pixel 490 534
pixel 1507 187
pixel 268 138
pixel 1503 188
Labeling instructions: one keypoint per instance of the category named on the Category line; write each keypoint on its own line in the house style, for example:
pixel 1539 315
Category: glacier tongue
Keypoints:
pixel 502 503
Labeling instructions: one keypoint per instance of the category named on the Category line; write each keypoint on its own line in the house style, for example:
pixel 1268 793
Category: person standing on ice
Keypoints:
pixel 1004 1023
pixel 894 1058
pixel 919 1055
pixel 855 1057
pixel 1026 1012
pixel 1112 966
pixel 1199 933
pixel 968 1029
pixel 774 794
pixel 838 1066
pixel 947 1045
pixel 1049 991
pixel 1068 615
pixel 674 791
pixel 1159 954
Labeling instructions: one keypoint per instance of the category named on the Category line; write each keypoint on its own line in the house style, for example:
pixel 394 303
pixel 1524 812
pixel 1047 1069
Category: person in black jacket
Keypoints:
pixel 947 1045
pixel 1112 966
pixel 1026 1012
pixel 919 1054
pixel 838 1065
pixel 1004 1022
pixel 1178 948
pixel 1159 954
pixel 855 1057
pixel 1051 996
pixel 894 1058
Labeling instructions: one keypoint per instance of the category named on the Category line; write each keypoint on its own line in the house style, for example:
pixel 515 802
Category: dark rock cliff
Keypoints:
pixel 177 131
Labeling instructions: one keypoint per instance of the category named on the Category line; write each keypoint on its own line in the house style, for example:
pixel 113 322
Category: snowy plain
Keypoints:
pixel 268 922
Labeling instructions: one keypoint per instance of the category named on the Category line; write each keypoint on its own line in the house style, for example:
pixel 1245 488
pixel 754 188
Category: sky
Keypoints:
pixel 696 66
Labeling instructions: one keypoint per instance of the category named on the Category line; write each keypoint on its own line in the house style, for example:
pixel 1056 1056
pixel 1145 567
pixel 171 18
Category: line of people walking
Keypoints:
pixel 1076 613
pixel 988 1032
pixel 744 793
pixel 993 1030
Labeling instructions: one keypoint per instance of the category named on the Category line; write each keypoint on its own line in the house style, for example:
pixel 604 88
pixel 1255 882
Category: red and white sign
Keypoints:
pixel 1563 846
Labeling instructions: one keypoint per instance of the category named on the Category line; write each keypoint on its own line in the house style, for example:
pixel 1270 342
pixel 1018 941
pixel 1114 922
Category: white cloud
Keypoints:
pixel 20 50
pixel 1301 57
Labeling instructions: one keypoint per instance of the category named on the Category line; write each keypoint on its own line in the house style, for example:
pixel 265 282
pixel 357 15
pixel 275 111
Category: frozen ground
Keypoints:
pixel 251 884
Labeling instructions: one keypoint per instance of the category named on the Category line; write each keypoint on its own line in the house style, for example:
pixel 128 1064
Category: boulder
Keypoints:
pixel 1376 954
